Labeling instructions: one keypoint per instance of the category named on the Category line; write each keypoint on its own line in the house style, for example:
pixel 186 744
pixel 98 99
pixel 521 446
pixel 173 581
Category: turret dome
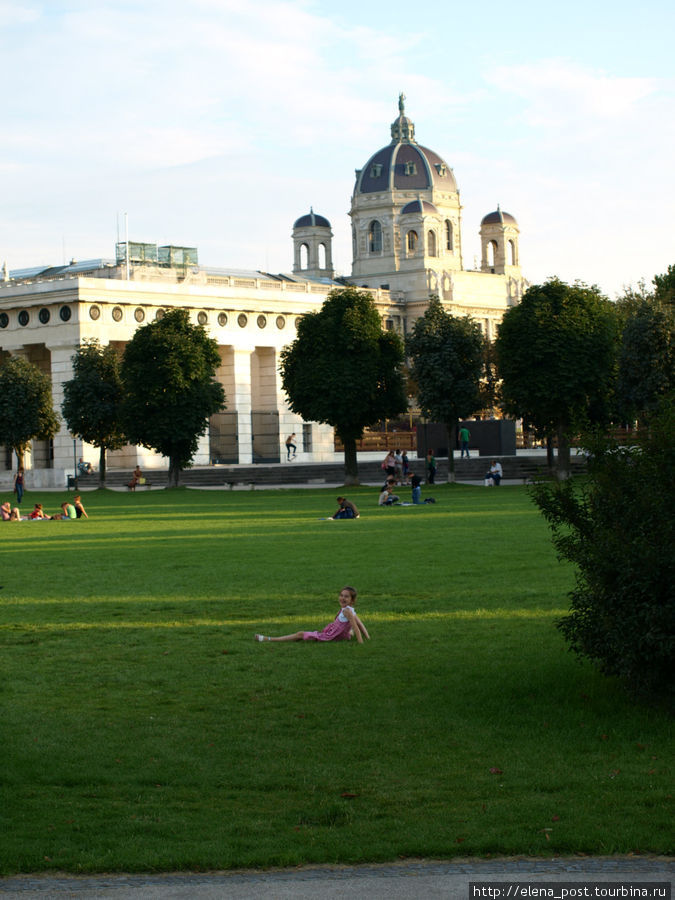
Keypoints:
pixel 498 217
pixel 310 220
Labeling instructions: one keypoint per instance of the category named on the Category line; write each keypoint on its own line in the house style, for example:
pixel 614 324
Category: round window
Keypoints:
pixel 202 318
pixel 159 315
pixel 95 312
pixel 65 313
pixel 222 319
pixel 117 313
pixel 4 320
pixel 139 314
pixel 281 322
pixel 44 315
pixel 24 318
pixel 262 321
pixel 242 320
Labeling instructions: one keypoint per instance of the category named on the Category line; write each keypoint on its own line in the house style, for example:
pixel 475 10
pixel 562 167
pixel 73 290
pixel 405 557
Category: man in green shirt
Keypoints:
pixel 464 435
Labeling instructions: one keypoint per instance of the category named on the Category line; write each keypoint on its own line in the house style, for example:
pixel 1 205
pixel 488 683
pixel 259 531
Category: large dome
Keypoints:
pixel 404 165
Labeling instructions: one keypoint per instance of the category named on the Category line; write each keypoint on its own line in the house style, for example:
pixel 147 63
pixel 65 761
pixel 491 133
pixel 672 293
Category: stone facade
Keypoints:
pixel 406 224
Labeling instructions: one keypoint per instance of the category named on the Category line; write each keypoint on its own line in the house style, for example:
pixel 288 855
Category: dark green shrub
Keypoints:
pixel 618 529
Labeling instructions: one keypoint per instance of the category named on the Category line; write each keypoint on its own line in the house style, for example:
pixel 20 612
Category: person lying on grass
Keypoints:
pixel 344 625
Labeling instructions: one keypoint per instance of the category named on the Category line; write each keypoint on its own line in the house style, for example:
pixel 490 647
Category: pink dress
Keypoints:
pixel 338 630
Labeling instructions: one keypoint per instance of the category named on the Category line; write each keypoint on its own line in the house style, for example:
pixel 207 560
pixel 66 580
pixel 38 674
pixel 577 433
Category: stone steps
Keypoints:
pixel 519 468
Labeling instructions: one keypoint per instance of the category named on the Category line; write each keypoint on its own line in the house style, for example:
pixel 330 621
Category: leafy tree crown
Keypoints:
pixel 342 369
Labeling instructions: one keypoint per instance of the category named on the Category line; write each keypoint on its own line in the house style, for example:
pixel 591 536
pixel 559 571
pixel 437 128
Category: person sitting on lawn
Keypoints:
pixel 344 625
pixel 67 511
pixel 38 512
pixel 346 510
pixel 80 511
pixel 387 496
pixel 9 514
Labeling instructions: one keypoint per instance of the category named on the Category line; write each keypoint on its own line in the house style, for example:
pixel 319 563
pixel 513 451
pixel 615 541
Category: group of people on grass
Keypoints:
pixel 74 510
pixel 388 496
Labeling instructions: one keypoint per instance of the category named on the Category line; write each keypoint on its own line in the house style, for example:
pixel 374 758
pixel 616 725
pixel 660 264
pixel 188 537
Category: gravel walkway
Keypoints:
pixel 410 880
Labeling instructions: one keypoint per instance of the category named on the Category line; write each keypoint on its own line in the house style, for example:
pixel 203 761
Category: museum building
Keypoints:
pixel 406 241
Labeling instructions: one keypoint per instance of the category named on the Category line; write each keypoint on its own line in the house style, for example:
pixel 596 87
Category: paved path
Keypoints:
pixel 411 880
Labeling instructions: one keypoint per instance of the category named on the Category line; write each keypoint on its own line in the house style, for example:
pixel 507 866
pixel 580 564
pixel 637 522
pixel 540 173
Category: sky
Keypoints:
pixel 217 123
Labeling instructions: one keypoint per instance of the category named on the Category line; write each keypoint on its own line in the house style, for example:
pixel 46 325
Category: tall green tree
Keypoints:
pixel 556 356
pixel 646 370
pixel 92 403
pixel 447 360
pixel 26 409
pixel 168 373
pixel 343 370
pixel 664 287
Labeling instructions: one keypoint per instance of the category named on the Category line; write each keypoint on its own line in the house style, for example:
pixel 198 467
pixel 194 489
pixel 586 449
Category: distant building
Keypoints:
pixel 406 227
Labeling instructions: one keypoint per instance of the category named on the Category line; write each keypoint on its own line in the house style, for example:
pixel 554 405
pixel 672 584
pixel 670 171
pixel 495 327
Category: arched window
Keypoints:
pixel 448 235
pixel 375 237
pixel 512 254
pixel 304 256
pixel 411 241
pixel 491 253
pixel 322 256
pixel 431 243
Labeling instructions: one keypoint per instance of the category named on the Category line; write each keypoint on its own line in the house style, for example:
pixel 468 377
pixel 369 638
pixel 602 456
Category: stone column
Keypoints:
pixel 241 402
pixel 62 371
pixel 22 352
pixel 289 422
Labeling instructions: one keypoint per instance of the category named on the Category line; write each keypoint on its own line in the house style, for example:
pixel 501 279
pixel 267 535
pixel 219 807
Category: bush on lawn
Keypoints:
pixel 618 530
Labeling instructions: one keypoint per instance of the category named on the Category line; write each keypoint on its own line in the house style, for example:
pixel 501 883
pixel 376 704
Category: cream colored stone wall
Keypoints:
pixel 251 318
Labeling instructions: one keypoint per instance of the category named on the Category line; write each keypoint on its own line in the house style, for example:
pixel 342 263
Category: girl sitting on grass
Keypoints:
pixel 345 623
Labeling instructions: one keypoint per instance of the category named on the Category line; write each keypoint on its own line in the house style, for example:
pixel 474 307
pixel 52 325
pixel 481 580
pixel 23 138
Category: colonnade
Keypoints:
pixel 254 427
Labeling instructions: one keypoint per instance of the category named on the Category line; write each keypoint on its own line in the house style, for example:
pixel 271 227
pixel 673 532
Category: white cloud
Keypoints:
pixel 12 14
pixel 559 92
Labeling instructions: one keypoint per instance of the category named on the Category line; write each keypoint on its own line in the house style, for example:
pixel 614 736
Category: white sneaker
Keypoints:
pixel 260 637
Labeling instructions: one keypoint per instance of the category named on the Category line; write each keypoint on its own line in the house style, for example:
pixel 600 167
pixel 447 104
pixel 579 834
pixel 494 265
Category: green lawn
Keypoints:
pixel 144 729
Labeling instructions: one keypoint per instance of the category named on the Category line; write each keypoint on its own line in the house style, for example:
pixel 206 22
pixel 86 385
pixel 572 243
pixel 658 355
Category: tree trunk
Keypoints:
pixel 101 466
pixel 550 458
pixel 451 428
pixel 351 465
pixel 563 470
pixel 174 472
pixel 20 453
